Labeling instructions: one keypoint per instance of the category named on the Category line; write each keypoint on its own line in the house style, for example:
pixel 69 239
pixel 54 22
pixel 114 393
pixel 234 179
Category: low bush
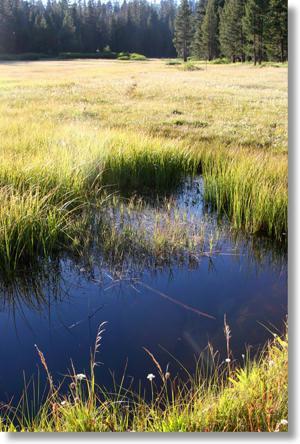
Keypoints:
pixel 190 66
pixel 136 56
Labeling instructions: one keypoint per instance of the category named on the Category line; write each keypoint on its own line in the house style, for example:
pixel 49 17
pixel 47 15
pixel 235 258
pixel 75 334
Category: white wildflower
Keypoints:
pixel 271 363
pixel 228 360
pixel 282 422
pixel 80 376
pixel 243 356
pixel 63 402
pixel 151 376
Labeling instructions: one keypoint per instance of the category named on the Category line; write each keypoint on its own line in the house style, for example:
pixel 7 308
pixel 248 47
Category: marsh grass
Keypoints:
pixel 43 202
pixel 246 397
pixel 68 132
pixel 152 234
pixel 250 187
pixel 32 226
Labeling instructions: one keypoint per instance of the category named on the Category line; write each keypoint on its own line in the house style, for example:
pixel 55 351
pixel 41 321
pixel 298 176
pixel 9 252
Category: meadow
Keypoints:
pixel 92 153
pixel 70 129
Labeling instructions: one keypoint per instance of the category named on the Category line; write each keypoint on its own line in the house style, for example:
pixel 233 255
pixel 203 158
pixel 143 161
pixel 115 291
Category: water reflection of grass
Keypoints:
pixel 126 237
pixel 160 234
pixel 31 288
pixel 219 396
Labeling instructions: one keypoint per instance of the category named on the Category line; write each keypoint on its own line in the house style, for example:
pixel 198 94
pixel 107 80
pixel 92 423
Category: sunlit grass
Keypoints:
pixel 219 397
pixel 31 226
pixel 71 129
pixel 250 187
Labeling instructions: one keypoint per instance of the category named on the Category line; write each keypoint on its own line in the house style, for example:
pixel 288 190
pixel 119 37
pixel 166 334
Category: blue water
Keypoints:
pixel 172 311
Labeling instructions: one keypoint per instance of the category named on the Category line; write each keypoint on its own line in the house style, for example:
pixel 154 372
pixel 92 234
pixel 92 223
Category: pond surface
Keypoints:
pixel 173 310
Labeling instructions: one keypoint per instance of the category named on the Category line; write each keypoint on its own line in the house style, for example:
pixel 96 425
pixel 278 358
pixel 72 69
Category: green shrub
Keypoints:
pixel 123 56
pixel 136 56
pixel 189 66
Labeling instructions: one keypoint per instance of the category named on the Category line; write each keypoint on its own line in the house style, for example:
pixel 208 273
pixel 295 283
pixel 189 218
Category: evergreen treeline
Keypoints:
pixel 85 26
pixel 236 29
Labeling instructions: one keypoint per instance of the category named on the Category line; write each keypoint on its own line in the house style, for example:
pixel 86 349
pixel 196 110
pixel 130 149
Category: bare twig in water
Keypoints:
pixel 175 301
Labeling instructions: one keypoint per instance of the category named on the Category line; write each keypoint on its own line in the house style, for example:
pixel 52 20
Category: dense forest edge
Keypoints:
pixel 235 30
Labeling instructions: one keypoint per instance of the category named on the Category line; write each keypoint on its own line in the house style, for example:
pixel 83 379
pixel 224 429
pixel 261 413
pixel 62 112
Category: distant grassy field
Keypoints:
pixel 70 128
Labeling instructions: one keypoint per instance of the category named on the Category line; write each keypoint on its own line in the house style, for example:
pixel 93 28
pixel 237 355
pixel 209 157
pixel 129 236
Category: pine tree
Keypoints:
pixel 277 30
pixel 209 29
pixel 199 16
pixel 231 30
pixel 255 27
pixel 7 26
pixel 52 26
pixel 183 30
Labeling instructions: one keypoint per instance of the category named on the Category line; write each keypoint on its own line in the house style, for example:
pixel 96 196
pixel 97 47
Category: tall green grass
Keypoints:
pixel 32 226
pixel 219 397
pixel 250 187
pixel 44 192
pixel 41 196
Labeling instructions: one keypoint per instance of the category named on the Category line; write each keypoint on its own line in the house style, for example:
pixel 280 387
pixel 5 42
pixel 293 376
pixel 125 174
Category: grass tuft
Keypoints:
pixel 252 397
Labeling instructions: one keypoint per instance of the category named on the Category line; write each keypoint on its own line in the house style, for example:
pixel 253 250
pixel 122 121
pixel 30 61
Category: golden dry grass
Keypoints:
pixel 69 126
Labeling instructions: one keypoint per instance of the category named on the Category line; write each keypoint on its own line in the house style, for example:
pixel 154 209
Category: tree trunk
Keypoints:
pixel 184 52
pixel 260 51
pixel 261 42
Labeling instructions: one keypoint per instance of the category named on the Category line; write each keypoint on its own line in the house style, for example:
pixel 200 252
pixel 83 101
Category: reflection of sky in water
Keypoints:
pixel 165 321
